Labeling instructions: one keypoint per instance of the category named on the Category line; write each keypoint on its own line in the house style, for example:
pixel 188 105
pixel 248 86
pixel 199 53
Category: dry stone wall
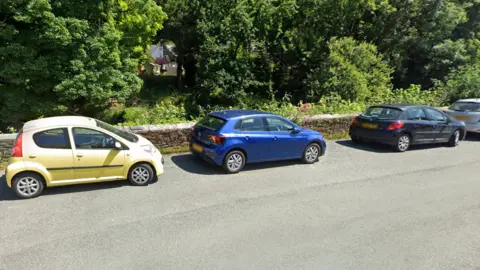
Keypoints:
pixel 177 135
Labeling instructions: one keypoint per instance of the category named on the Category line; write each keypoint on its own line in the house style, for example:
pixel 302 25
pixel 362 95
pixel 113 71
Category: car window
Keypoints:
pixel 123 134
pixel 416 114
pixel 251 124
pixel 434 115
pixel 91 139
pixel 53 139
pixel 277 124
pixel 463 106
pixel 383 113
pixel 212 122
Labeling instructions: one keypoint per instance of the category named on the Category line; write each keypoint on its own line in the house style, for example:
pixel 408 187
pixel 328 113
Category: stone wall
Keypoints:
pixel 6 144
pixel 177 135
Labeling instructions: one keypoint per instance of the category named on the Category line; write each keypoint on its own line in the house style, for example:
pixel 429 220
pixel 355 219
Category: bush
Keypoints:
pixel 414 94
pixel 462 83
pixel 354 71
pixel 159 114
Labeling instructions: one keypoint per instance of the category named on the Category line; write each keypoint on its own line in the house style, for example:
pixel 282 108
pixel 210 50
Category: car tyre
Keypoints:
pixel 234 161
pixel 455 139
pixel 403 143
pixel 141 174
pixel 28 185
pixel 311 153
pixel 356 140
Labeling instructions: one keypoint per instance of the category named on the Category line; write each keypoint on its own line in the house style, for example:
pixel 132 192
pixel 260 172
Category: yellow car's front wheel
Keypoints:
pixel 28 185
pixel 141 174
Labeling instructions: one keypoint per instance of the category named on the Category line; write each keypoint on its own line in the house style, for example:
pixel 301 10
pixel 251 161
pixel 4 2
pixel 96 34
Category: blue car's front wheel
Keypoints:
pixel 311 153
pixel 234 161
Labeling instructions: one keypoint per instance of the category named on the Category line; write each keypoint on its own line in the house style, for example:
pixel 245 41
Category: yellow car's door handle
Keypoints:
pixel 79 155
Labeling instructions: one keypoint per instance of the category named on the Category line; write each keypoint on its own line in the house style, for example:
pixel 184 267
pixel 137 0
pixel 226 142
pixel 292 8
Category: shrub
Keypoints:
pixel 159 114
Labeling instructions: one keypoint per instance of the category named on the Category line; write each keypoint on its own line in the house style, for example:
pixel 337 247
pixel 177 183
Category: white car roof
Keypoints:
pixel 477 100
pixel 59 121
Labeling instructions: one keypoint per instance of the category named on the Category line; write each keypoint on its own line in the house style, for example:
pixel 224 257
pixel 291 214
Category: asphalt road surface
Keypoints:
pixel 358 208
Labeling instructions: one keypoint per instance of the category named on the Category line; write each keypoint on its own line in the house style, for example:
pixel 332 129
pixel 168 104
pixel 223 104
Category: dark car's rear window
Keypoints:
pixel 212 122
pixel 382 113
pixel 465 106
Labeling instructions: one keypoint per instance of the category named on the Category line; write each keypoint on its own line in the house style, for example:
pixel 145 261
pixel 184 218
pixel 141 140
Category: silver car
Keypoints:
pixel 468 111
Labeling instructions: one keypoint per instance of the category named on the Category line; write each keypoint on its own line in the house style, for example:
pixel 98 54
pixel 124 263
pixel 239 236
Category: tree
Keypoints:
pixel 353 70
pixel 71 55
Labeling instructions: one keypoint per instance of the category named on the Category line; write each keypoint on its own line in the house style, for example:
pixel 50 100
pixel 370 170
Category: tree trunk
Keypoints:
pixel 180 61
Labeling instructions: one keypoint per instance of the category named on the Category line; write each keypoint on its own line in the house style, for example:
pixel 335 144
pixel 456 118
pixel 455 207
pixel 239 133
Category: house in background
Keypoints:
pixel 163 60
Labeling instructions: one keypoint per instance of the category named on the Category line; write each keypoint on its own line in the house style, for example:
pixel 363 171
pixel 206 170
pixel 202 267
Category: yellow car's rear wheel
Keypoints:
pixel 28 185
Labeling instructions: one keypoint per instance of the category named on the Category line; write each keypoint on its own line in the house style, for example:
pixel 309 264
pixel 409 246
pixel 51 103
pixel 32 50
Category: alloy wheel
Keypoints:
pixel 312 153
pixel 28 186
pixel 140 175
pixel 235 162
pixel 403 143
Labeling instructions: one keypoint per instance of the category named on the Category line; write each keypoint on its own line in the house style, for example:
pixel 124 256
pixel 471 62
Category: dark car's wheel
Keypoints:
pixel 311 153
pixel 454 139
pixel 403 143
pixel 234 161
pixel 141 174
pixel 356 140
pixel 28 185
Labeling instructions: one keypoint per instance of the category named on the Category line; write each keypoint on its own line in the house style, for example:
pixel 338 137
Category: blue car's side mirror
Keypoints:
pixel 296 130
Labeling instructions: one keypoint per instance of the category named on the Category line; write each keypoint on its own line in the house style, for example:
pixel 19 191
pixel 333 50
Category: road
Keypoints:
pixel 360 207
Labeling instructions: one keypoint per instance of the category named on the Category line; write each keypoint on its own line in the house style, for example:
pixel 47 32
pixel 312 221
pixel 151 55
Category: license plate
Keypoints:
pixel 369 126
pixel 462 118
pixel 197 147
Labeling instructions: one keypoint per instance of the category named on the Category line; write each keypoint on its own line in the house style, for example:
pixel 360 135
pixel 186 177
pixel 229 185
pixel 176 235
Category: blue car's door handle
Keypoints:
pixel 274 138
pixel 246 138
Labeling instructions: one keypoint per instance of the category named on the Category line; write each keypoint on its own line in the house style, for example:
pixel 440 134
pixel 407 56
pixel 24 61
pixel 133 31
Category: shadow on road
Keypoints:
pixel 381 148
pixel 472 137
pixel 196 165
pixel 6 194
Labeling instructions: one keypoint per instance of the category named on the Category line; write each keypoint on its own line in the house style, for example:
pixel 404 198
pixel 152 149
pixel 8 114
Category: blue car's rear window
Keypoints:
pixel 212 123
pixel 382 113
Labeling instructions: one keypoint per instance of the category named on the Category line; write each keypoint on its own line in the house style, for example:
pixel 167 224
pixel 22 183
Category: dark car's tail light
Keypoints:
pixel 17 150
pixel 217 140
pixel 354 121
pixel 395 125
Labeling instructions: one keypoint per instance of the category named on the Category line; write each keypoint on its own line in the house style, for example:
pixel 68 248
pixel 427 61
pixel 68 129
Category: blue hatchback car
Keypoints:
pixel 233 138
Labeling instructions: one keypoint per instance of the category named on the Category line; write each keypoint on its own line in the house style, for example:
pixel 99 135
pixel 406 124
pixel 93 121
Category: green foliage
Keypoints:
pixel 339 55
pixel 415 95
pixel 462 83
pixel 62 56
pixel 353 70
pixel 158 114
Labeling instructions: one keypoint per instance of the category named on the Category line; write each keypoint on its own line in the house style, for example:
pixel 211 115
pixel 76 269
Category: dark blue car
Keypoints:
pixel 403 125
pixel 235 137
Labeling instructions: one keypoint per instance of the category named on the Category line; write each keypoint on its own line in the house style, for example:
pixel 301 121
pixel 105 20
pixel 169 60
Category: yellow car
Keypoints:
pixel 68 150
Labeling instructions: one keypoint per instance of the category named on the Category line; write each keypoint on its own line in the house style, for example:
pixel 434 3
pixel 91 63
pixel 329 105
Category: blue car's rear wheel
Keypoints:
pixel 234 161
pixel 311 153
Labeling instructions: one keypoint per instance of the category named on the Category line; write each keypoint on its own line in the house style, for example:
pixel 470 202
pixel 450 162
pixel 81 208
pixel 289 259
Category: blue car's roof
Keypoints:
pixel 231 114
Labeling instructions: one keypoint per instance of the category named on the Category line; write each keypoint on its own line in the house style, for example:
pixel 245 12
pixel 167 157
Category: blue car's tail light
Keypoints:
pixel 216 139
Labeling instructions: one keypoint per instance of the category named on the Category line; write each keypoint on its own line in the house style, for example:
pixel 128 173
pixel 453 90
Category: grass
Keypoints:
pixel 174 150
pixel 337 135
